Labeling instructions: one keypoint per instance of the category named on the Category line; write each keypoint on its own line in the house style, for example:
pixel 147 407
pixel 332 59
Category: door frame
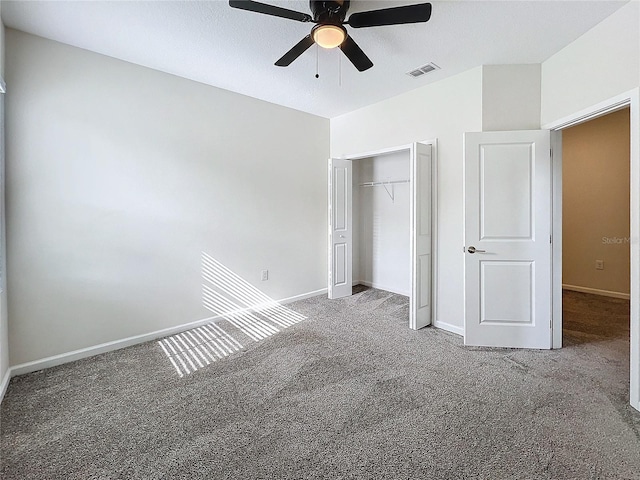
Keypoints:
pixel 434 207
pixel 629 99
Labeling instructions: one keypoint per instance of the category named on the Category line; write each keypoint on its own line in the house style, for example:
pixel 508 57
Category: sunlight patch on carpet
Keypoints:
pixel 245 308
pixel 194 349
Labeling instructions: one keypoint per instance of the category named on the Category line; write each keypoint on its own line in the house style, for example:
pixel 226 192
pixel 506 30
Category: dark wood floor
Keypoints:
pixel 593 318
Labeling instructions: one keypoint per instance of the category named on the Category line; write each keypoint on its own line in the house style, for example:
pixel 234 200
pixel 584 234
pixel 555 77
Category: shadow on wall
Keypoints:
pixel 242 313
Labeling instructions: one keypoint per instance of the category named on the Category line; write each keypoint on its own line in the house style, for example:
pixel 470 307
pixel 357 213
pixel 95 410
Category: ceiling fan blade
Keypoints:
pixel 297 50
pixel 355 54
pixel 392 16
pixel 272 10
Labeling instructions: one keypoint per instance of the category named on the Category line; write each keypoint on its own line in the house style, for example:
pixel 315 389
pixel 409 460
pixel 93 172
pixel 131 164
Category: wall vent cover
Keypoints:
pixel 418 72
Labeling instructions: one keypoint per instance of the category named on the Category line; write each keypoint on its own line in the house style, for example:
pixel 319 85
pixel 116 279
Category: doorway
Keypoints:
pixel 596 230
pixel 630 100
pixel 381 222
pixel 478 156
pixel 386 172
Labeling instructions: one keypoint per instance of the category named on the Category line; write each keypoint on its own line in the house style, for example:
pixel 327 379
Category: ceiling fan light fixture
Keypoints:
pixel 329 17
pixel 329 36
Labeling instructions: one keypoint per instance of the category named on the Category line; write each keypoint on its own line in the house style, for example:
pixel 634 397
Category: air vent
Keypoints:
pixel 418 72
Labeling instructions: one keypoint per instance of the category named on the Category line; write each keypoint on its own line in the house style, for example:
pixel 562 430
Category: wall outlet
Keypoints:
pixel 265 275
pixel 599 264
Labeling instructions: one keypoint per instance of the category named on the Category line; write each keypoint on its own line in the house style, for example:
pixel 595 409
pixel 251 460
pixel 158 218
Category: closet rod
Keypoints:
pixel 375 184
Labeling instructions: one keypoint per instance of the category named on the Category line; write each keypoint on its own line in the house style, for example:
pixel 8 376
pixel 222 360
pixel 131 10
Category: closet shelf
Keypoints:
pixel 391 193
pixel 377 184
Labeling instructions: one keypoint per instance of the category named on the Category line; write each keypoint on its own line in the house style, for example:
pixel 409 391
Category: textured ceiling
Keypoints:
pixel 232 49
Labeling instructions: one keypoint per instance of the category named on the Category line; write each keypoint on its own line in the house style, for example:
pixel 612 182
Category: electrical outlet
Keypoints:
pixel 265 275
pixel 599 264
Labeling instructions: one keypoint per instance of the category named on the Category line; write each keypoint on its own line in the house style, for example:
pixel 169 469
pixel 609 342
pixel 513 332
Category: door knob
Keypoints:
pixel 473 249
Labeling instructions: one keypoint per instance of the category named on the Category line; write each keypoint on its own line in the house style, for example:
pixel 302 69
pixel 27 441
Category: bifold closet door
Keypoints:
pixel 340 228
pixel 421 236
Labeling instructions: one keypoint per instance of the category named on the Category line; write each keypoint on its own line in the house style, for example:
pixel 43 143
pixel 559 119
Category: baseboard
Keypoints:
pixel 596 291
pixel 62 358
pixel 382 287
pixel 449 328
pixel 74 355
pixel 5 383
pixel 442 325
pixel 295 298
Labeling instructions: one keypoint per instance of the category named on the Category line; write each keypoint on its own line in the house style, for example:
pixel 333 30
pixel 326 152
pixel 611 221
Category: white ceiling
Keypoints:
pixel 233 49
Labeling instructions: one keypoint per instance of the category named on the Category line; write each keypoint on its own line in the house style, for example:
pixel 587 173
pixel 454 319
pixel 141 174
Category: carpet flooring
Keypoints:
pixel 345 391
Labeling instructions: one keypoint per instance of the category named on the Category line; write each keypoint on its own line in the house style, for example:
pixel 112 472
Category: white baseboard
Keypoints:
pixel 449 328
pixel 56 360
pixel 386 288
pixel 295 298
pixel 5 383
pixel 596 291
pixel 74 355
pixel 442 325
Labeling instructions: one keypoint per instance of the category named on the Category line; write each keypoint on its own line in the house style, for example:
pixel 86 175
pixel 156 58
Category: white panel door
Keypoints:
pixel 340 228
pixel 421 258
pixel 508 239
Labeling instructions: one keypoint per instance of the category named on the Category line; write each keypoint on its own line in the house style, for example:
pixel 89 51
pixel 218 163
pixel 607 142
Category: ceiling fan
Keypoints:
pixel 329 31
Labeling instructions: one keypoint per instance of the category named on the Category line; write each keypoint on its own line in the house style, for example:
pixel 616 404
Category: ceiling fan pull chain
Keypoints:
pixel 339 69
pixel 317 61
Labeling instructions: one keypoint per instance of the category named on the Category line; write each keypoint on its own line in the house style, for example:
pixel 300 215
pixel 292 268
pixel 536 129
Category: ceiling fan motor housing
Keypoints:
pixel 329 11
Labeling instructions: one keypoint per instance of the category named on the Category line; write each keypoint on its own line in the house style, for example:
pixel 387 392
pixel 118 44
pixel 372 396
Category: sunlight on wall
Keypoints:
pixel 235 287
pixel 241 308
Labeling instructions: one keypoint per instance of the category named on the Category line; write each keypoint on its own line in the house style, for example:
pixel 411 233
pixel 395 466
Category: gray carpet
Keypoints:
pixel 348 392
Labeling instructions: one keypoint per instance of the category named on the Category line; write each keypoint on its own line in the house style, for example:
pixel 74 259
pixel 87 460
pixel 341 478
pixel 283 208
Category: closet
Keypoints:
pixel 380 225
pixel 381 201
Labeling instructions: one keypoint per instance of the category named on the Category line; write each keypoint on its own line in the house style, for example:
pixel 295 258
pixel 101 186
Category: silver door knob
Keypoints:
pixel 473 249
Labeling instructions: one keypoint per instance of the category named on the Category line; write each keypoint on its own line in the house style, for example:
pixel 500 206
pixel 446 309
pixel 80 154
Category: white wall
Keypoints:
pixel 602 63
pixel 4 327
pixel 120 177
pixel 506 86
pixel 443 110
pixel 382 243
